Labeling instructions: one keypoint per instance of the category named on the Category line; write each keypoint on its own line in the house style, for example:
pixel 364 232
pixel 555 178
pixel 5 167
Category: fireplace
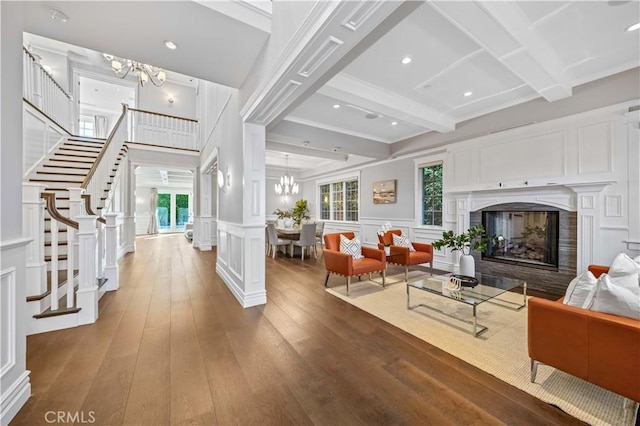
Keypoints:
pixel 547 266
pixel 528 238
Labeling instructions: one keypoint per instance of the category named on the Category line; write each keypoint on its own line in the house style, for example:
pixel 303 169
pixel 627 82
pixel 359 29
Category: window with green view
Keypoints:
pixel 339 200
pixel 432 195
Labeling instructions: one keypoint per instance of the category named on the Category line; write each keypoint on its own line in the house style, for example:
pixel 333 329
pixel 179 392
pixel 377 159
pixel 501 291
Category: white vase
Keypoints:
pixel 387 250
pixel 288 222
pixel 467 265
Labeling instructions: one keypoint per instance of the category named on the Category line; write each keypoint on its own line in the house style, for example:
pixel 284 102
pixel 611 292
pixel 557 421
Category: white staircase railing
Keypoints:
pixel 95 182
pixel 44 93
pixel 154 128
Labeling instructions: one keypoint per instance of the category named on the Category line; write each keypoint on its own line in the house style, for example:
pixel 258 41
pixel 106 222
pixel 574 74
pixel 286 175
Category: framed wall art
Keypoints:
pixel 384 192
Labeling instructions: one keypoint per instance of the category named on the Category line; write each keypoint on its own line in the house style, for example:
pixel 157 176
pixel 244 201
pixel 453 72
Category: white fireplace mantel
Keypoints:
pixel 583 198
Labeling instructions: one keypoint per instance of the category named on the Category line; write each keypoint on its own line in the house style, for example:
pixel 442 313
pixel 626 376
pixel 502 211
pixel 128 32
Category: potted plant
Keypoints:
pixel 381 231
pixel 284 217
pixel 474 239
pixel 300 212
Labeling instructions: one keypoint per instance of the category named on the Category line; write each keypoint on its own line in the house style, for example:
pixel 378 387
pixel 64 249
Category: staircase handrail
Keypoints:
pixel 43 92
pixel 89 209
pixel 50 204
pixel 158 129
pixel 163 115
pixel 64 92
pixel 102 167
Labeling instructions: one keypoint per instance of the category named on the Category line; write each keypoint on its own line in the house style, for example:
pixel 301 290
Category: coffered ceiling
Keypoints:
pixel 467 59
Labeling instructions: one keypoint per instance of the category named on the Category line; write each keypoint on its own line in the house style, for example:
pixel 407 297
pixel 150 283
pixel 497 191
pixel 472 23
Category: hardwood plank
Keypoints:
pixel 173 346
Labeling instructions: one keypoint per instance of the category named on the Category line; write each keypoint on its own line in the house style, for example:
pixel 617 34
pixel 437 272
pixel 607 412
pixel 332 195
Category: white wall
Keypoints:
pixel 155 99
pixel 15 389
pixel 556 158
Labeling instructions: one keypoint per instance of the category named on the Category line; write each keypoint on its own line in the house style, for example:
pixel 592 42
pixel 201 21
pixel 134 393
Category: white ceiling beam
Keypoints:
pixel 504 31
pixel 351 90
pixel 328 140
pixel 302 150
pixel 331 36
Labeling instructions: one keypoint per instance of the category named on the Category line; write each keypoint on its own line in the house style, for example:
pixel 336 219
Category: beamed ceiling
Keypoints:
pixel 468 59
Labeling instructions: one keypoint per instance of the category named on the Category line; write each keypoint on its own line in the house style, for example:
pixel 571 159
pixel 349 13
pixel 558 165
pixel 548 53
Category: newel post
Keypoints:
pixel 33 227
pixel 111 252
pixel 87 294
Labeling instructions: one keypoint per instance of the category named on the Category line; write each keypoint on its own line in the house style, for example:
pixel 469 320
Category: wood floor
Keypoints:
pixel 172 346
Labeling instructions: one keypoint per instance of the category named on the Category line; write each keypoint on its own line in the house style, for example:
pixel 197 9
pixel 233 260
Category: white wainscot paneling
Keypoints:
pixel 595 148
pixel 236 255
pixel 53 137
pixel 370 226
pixel 142 223
pixel 442 259
pixel 7 320
pixel 333 227
pixel 223 250
pixel 539 156
pixel 461 168
pixel 34 146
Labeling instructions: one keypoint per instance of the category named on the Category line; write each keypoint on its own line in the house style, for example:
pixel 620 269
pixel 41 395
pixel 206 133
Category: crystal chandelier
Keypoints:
pixel 144 72
pixel 286 186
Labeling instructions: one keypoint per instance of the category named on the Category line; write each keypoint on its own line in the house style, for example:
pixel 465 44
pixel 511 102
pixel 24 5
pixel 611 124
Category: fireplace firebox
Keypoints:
pixel 527 238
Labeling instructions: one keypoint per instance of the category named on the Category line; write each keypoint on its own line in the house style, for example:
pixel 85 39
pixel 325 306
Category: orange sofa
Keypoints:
pixel 600 348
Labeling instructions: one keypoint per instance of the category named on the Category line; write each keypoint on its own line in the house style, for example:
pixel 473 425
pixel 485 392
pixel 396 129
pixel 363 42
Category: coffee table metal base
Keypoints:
pixel 478 329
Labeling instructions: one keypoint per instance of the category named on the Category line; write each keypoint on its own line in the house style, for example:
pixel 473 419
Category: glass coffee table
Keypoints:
pixel 487 290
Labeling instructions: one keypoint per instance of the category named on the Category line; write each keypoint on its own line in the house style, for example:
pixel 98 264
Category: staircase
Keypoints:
pixel 52 304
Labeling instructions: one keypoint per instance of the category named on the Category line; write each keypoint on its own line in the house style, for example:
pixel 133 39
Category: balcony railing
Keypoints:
pixel 156 129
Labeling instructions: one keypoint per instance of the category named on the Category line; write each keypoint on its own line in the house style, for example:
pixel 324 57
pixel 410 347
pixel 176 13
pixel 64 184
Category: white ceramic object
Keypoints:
pixel 467 265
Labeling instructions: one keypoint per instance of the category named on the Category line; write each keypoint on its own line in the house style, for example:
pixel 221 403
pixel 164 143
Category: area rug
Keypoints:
pixel 501 351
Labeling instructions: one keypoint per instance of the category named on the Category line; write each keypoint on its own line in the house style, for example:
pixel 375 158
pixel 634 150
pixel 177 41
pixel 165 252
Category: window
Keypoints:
pixel 339 201
pixel 86 128
pixel 432 194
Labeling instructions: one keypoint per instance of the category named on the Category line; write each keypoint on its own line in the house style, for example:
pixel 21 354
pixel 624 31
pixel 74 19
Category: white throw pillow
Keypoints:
pixel 352 247
pixel 614 299
pixel 402 241
pixel 625 271
pixel 579 289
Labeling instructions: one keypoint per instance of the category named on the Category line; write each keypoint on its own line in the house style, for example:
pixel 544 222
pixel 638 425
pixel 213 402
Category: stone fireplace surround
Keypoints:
pixel 579 207
pixel 544 279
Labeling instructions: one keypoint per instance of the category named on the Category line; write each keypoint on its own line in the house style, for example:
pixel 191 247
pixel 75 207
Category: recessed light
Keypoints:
pixel 170 45
pixel 406 60
pixel 336 106
pixel 468 93
pixel 633 27
pixel 394 123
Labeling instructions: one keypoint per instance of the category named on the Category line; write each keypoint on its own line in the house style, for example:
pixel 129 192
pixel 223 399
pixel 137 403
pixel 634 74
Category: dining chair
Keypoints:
pixel 319 233
pixel 307 239
pixel 274 241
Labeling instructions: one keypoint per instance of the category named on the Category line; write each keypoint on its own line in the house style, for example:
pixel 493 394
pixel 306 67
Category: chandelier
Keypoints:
pixel 144 72
pixel 286 186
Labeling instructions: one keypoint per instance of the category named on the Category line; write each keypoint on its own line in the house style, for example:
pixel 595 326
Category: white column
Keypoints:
pixel 33 227
pixel 111 252
pixel 633 158
pixel 254 181
pixel 463 220
pixel 589 207
pixel 206 218
pixel 129 225
pixel 87 294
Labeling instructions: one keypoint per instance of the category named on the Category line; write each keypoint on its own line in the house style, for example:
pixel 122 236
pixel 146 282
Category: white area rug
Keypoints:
pixel 501 351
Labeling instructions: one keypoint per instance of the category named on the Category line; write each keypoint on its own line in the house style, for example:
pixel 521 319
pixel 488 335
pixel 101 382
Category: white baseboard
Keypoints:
pixel 14 397
pixel 246 300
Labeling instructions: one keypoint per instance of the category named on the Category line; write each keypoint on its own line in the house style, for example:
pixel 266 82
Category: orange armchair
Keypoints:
pixel 402 256
pixel 339 263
